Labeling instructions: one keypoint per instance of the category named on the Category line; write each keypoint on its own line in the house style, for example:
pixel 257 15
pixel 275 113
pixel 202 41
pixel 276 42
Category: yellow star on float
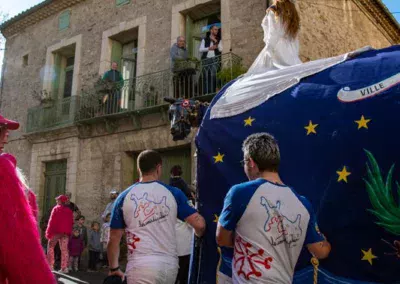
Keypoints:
pixel 249 121
pixel 311 128
pixel 216 218
pixel 219 158
pixel 362 123
pixel 343 174
pixel 368 256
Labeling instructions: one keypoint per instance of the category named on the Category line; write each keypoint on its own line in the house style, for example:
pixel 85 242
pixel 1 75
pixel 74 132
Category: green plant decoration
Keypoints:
pixel 385 207
pixel 230 73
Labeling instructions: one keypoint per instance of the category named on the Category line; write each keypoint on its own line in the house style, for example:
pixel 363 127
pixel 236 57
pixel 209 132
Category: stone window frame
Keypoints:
pixel 41 156
pixel 106 46
pixel 178 24
pixel 48 74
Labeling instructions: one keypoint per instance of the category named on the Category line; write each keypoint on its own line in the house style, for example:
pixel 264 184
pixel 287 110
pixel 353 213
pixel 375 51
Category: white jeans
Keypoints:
pixel 154 273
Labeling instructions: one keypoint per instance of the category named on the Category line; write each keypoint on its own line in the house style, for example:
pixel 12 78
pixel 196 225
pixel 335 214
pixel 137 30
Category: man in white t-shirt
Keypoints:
pixel 265 221
pixel 148 212
pixel 211 50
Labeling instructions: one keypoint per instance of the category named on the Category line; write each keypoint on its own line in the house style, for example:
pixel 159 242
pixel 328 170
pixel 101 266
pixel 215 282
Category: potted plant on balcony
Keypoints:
pixel 231 72
pixel 45 97
pixel 192 63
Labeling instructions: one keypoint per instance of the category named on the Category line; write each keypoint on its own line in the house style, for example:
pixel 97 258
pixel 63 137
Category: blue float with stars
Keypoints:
pixel 338 133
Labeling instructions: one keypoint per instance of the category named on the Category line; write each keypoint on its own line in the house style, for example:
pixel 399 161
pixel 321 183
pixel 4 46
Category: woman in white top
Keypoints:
pixel 267 75
pixel 281 26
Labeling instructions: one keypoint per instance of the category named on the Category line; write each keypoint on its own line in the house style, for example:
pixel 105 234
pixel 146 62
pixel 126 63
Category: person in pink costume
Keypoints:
pixel 29 194
pixel 19 241
pixel 58 230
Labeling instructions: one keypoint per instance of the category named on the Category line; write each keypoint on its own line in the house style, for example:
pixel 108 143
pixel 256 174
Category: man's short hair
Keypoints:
pixel 180 37
pixel 263 149
pixel 148 161
pixel 176 171
pixel 82 217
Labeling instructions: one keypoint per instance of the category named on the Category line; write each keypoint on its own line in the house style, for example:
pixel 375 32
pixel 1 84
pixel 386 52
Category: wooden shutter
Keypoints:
pixel 63 20
pixel 121 2
pixel 57 75
pixel 116 53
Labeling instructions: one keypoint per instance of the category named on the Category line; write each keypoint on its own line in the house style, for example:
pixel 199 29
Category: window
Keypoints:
pixel 25 60
pixel 63 20
pixel 122 2
pixel 64 60
pixel 69 73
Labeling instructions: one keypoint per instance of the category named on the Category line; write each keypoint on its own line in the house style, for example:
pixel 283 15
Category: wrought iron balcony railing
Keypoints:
pixel 187 80
pixel 53 114
pixel 190 80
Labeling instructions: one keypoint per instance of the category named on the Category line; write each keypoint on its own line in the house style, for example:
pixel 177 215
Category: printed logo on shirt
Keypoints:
pixel 250 260
pixel 280 229
pixel 149 211
pixel 131 240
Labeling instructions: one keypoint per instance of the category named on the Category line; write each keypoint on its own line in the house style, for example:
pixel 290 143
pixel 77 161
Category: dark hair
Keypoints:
pixel 108 214
pixel 94 223
pixel 263 149
pixel 81 217
pixel 148 161
pixel 176 171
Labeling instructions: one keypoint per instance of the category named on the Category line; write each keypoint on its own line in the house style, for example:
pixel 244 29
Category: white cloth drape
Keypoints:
pixel 276 69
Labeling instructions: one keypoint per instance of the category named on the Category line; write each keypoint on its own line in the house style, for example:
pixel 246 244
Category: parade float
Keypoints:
pixel 336 121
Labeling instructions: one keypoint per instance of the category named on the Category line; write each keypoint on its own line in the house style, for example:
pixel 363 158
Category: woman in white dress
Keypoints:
pixel 266 76
pixel 281 26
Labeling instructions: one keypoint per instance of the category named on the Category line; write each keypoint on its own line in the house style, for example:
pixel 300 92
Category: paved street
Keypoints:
pixel 82 277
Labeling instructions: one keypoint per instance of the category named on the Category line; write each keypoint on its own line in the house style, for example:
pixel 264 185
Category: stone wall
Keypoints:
pixel 328 28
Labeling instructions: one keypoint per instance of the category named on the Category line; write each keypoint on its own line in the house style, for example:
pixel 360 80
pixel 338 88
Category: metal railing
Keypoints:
pixel 53 114
pixel 193 80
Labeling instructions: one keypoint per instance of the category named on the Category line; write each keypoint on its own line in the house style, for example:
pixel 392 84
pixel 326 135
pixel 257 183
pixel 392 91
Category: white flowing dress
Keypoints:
pixel 277 68
pixel 279 52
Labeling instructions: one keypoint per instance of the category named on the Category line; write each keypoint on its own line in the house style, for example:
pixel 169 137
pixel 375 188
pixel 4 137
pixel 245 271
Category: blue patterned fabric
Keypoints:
pixel 323 141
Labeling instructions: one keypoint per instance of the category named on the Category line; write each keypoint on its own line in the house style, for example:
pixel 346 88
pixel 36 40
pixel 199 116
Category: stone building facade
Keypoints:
pixel 88 157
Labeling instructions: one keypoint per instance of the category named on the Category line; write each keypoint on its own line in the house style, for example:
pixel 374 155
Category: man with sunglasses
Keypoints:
pixel 266 221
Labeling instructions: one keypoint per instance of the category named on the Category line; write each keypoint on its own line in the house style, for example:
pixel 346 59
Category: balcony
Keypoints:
pixel 188 79
pixel 52 115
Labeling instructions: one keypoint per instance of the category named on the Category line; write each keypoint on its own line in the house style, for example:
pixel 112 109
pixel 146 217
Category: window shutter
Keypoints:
pixel 121 2
pixel 116 53
pixel 63 20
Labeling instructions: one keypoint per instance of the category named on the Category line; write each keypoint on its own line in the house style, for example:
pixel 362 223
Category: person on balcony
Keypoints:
pixel 112 100
pixel 183 80
pixel 211 49
pixel 178 51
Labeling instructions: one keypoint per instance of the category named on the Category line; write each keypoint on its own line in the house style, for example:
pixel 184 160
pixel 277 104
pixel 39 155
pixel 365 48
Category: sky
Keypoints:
pixel 12 8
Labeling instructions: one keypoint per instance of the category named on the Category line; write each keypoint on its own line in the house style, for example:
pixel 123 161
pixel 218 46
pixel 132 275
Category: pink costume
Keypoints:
pixel 22 259
pixel 58 230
